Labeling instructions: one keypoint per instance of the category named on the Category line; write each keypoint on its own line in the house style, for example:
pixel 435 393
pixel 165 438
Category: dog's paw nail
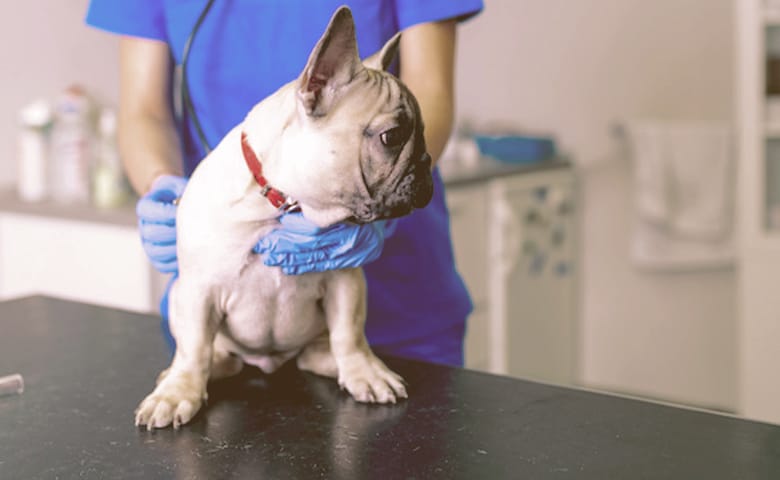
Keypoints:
pixel 389 397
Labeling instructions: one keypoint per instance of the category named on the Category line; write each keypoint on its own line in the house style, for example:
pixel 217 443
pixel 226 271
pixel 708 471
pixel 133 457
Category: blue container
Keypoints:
pixel 515 148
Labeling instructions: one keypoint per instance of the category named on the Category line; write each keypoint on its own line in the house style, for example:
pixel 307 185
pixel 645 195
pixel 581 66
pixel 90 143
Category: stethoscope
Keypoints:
pixel 184 89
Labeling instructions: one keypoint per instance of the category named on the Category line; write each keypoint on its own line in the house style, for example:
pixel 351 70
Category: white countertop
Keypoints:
pixel 483 170
pixel 11 203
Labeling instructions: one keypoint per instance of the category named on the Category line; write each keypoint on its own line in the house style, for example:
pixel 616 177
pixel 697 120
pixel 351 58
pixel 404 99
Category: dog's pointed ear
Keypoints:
pixel 332 64
pixel 382 59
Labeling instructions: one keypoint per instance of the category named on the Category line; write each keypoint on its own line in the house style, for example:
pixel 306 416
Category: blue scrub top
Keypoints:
pixel 247 49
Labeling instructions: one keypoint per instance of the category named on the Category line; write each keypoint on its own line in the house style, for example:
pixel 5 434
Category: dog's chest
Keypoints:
pixel 267 311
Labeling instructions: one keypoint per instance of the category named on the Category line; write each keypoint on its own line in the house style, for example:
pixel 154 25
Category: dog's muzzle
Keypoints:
pixel 423 191
pixel 413 190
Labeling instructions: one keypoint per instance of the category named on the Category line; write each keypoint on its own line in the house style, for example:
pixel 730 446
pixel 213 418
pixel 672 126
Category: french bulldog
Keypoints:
pixel 344 142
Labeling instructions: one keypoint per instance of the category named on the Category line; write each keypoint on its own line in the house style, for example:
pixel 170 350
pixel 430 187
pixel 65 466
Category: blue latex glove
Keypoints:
pixel 299 246
pixel 157 222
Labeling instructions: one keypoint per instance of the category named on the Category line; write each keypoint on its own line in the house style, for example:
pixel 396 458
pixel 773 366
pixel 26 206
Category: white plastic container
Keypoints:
pixel 72 141
pixel 33 151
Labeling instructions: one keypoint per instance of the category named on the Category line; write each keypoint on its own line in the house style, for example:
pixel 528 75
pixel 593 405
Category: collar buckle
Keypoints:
pixel 282 202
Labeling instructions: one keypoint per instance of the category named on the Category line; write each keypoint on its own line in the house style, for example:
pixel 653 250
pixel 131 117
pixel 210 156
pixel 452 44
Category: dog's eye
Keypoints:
pixel 394 137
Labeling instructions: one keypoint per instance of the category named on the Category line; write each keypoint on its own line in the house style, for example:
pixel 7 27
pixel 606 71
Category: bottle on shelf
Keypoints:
pixel 109 185
pixel 72 146
pixel 33 155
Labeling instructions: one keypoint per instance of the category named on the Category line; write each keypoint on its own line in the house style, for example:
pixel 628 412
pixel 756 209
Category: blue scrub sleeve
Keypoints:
pixel 137 18
pixel 412 12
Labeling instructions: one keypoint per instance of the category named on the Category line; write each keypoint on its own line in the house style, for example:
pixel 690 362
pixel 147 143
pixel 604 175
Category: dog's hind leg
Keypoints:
pixel 317 358
pixel 224 364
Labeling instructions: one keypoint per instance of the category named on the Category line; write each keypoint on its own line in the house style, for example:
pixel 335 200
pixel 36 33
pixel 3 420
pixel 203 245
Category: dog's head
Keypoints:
pixel 354 149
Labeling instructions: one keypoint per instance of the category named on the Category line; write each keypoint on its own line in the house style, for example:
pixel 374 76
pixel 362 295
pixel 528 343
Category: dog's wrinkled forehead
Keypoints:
pixel 394 124
pixel 385 95
pixel 410 102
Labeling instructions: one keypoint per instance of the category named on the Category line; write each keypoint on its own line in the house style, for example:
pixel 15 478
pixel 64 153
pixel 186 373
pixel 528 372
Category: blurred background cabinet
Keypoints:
pixel 515 245
pixel 758 97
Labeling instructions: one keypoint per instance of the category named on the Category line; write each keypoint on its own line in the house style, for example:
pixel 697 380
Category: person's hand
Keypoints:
pixel 299 246
pixel 157 221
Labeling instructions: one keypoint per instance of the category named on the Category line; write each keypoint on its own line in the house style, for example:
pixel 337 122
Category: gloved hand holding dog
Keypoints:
pixel 157 221
pixel 298 246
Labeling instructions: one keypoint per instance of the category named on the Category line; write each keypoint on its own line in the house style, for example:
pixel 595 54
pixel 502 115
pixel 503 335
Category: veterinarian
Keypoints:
pixel 235 54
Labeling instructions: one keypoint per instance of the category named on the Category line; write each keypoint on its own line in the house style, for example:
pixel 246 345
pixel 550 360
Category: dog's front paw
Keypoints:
pixel 369 380
pixel 176 400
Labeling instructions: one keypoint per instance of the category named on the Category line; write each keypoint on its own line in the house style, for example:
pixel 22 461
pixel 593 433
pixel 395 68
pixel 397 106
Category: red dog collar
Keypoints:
pixel 277 198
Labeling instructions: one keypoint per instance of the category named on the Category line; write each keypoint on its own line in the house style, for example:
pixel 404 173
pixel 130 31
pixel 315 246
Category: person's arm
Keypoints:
pixel 427 58
pixel 149 144
pixel 148 140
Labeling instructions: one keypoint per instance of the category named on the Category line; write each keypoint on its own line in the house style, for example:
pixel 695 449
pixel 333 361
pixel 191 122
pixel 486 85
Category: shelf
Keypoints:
pixel 123 216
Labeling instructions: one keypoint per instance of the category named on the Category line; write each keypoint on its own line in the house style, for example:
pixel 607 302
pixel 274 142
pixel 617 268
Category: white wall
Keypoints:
pixel 44 47
pixel 576 69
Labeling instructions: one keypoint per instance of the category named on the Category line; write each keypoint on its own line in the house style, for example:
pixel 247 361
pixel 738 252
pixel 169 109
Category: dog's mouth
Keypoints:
pixel 416 185
pixel 372 216
pixel 413 190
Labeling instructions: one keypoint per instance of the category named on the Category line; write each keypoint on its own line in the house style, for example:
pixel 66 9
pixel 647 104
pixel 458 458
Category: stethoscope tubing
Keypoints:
pixel 184 86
